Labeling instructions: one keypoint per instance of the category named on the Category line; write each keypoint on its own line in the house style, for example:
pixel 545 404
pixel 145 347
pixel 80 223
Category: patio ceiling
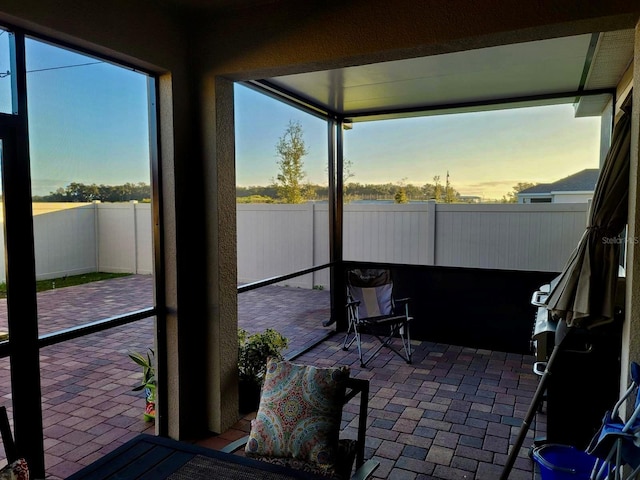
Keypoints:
pixel 538 72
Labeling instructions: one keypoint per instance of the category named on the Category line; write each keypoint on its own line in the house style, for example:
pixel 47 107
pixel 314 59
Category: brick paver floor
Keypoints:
pixel 449 415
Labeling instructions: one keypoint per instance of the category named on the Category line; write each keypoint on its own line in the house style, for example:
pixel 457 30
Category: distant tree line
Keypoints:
pixel 400 193
pixel 79 192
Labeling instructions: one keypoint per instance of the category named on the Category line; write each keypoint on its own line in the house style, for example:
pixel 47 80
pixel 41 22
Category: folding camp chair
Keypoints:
pixel 617 442
pixel 371 308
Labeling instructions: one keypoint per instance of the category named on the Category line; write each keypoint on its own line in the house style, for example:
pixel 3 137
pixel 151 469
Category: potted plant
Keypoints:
pixel 253 352
pixel 148 383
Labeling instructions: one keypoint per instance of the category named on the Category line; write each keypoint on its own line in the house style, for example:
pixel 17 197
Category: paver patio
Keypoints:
pixel 449 415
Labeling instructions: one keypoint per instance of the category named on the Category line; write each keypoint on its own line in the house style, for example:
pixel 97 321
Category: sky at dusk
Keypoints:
pixel 88 123
pixel 88 119
pixel 485 153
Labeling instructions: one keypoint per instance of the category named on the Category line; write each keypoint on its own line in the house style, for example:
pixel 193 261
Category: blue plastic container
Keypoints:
pixel 563 462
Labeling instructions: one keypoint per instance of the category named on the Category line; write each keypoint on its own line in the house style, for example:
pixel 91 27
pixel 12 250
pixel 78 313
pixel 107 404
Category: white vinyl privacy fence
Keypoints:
pixel 274 240
pixel 73 238
pixel 278 239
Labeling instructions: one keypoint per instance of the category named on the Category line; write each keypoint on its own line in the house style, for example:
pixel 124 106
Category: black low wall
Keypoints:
pixel 471 307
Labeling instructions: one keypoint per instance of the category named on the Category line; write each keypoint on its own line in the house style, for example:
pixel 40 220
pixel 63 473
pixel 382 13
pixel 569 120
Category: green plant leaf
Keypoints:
pixel 139 359
pixel 255 349
pixel 148 369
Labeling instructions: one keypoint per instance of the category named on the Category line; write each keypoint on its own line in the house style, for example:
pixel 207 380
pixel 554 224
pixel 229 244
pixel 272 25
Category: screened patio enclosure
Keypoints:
pixel 568 70
pixel 194 51
pixel 474 307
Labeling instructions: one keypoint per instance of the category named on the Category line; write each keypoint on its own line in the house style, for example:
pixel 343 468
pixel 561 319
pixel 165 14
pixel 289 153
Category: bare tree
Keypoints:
pixel 437 189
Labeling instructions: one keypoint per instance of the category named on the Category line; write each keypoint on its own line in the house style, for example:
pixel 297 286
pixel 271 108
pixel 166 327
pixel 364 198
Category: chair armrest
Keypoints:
pixel 362 473
pixel 366 470
pixel 353 303
pixel 402 300
pixel 237 445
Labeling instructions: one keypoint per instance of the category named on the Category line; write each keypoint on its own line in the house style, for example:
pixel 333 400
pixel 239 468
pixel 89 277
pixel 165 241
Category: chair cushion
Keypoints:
pixel 299 414
pixel 340 471
pixel 17 470
pixel 374 302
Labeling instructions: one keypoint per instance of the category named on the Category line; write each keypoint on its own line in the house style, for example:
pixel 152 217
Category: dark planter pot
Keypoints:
pixel 249 396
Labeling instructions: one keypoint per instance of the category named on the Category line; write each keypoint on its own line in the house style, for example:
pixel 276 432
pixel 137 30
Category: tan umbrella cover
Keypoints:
pixel 585 291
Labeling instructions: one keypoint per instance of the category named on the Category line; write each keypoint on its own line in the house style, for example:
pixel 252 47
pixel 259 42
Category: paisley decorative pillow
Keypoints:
pixel 299 413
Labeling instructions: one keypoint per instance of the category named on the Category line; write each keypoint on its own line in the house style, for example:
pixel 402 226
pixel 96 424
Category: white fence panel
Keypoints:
pixel 64 241
pixel 321 244
pixel 77 238
pixel 388 233
pixel 510 237
pixel 144 238
pixel 275 240
pixel 116 231
pixel 279 239
pixel 513 237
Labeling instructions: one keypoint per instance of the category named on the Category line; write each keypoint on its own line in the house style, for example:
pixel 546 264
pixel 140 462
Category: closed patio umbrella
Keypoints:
pixel 584 293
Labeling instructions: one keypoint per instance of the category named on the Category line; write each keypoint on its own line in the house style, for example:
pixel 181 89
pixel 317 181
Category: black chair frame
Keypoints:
pixel 385 328
pixel 355 387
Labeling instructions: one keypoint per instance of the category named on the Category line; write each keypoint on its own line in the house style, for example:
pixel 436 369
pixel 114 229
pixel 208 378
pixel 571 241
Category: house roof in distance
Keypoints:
pixel 583 181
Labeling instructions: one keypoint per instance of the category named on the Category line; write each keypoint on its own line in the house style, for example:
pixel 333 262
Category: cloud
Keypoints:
pixel 488 189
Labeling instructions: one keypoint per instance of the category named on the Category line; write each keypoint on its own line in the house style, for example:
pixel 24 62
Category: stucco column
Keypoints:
pixel 167 368
pixel 631 329
pixel 220 217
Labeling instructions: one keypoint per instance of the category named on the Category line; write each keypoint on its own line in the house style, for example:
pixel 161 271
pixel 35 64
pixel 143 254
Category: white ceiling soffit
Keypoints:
pixel 475 76
pixel 613 55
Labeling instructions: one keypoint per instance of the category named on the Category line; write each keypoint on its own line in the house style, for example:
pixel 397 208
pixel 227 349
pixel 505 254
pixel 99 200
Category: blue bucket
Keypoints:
pixel 563 462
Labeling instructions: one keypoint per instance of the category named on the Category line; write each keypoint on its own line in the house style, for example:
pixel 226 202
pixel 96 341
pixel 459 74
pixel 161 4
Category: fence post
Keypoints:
pixel 96 226
pixel 431 233
pixel 134 213
pixel 313 242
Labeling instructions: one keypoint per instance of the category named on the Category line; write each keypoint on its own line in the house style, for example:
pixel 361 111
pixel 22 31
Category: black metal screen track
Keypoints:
pixel 270 281
pixel 290 98
pixel 86 329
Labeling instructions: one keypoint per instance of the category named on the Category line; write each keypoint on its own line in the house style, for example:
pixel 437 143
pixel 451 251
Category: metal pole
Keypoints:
pixel 336 186
pixel 533 408
pixel 22 309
